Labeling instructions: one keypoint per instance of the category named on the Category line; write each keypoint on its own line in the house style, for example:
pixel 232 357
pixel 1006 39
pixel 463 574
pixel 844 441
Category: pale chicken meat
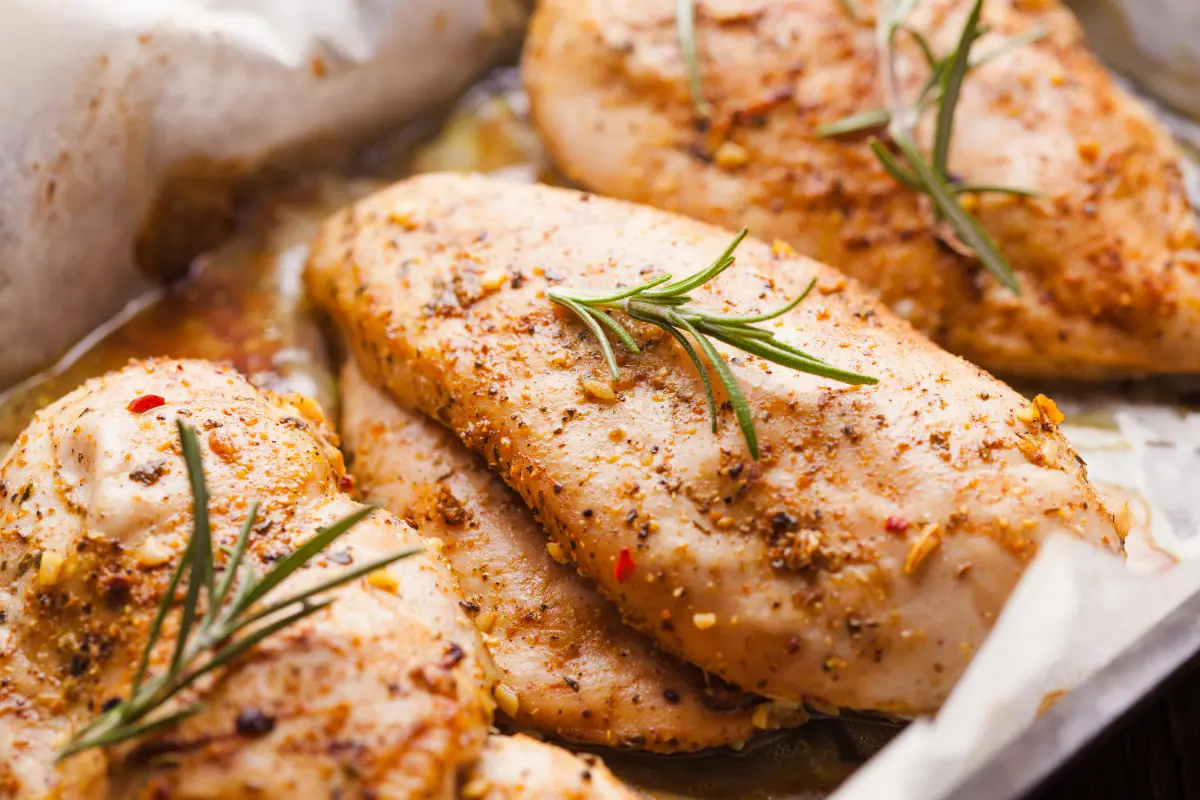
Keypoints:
pixel 859 562
pixel 521 768
pixel 1108 258
pixel 567 664
pixel 384 694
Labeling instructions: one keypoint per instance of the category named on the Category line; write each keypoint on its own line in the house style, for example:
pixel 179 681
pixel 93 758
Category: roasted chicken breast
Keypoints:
pixel 568 665
pixel 1108 259
pixel 860 562
pixel 384 694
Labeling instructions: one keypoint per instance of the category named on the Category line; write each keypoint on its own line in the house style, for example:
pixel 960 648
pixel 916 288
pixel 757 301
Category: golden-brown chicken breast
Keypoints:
pixel 381 695
pixel 1108 260
pixel 521 768
pixel 567 664
pixel 860 561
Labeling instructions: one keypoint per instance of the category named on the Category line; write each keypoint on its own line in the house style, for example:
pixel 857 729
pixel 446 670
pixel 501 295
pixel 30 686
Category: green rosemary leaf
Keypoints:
pixel 894 168
pixel 987 188
pixel 164 607
pixel 748 319
pixel 931 60
pixel 700 368
pixel 685 285
pixel 685 29
pixel 870 120
pixel 121 734
pixel 610 357
pixel 951 88
pixel 613 297
pixel 233 650
pixel 303 554
pixel 770 350
pixel 667 307
pixel 340 579
pixel 616 327
pixel 964 224
pixel 737 399
pixel 232 566
pixel 198 555
pixel 1011 43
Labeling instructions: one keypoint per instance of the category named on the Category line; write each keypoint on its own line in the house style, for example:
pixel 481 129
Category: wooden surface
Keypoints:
pixel 1153 754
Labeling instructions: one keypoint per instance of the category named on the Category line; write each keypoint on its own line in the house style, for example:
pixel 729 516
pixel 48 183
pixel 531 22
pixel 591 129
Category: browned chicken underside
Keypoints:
pixel 1108 259
pixel 385 694
pixel 860 562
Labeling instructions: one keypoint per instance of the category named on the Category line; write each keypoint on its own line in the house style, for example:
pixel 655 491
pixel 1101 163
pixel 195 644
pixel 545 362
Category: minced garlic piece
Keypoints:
pixel 152 553
pixel 781 249
pixel 507 699
pixel 731 155
pixel 384 580
pixel 556 552
pixel 50 568
pixel 761 718
pixel 486 621
pixel 704 621
pixel 433 545
pixel 493 279
pixel 925 544
pixel 1027 414
pixel 475 789
pixel 599 390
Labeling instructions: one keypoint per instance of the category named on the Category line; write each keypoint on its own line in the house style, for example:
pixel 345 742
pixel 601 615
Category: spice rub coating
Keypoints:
pixel 575 671
pixel 860 562
pixel 1108 259
pixel 383 694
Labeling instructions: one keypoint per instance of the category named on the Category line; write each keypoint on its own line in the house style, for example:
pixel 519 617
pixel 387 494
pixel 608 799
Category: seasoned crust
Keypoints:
pixel 815 590
pixel 1108 260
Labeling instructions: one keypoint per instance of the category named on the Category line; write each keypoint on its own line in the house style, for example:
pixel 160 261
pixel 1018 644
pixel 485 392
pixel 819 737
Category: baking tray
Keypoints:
pixel 1083 715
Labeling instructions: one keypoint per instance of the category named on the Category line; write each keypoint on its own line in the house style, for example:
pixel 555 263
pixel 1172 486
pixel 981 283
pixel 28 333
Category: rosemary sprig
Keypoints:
pixel 685 29
pixel 941 89
pixel 665 304
pixel 220 620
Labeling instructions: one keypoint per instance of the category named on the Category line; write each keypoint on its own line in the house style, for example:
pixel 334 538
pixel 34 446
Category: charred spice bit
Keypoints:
pixel 623 570
pixel 671 696
pixel 254 722
pixel 144 403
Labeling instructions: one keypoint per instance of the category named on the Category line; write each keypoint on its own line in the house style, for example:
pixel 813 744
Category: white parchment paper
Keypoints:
pixel 1077 609
pixel 100 99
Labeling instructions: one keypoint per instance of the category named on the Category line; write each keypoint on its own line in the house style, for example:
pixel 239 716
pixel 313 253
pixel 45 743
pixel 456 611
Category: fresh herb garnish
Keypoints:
pixel 685 29
pixel 218 620
pixel 664 304
pixel 941 89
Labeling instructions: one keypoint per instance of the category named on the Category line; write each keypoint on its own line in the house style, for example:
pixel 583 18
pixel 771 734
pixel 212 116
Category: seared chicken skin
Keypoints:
pixel 521 768
pixel 859 562
pixel 573 669
pixel 1108 260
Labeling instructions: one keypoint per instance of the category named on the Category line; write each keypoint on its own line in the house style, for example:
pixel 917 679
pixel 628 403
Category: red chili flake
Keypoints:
pixel 895 525
pixel 140 405
pixel 346 484
pixel 623 570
